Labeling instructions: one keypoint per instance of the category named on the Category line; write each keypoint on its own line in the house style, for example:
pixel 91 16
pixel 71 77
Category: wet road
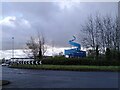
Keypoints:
pixel 26 78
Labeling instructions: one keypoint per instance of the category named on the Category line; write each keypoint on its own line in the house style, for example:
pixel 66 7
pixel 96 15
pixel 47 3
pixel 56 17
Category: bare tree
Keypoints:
pixel 102 32
pixel 36 47
pixel 89 30
pixel 41 45
pixel 108 27
pixel 117 34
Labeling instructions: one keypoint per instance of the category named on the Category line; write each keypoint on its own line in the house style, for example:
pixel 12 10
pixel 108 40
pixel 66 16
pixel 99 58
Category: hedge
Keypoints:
pixel 79 61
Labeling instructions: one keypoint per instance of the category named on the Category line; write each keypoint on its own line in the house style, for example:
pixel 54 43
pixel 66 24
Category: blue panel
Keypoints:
pixel 74 43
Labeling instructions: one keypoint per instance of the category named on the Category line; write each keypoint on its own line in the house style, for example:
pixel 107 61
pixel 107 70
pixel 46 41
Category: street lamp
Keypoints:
pixel 13 48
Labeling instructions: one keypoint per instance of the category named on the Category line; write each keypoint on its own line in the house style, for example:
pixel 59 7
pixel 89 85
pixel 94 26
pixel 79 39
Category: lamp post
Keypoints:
pixel 12 48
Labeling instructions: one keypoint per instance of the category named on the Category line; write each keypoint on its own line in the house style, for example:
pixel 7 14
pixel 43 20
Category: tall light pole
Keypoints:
pixel 12 48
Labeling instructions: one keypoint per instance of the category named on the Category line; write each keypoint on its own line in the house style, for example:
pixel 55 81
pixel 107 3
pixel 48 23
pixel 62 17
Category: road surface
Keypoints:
pixel 27 78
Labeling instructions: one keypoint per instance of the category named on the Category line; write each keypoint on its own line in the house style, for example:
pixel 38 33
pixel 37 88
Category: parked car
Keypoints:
pixel 4 64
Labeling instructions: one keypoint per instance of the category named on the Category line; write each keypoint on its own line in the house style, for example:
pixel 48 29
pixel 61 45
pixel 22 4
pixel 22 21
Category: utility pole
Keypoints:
pixel 12 48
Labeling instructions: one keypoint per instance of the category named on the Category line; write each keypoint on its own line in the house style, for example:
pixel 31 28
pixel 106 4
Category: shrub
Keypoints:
pixel 79 61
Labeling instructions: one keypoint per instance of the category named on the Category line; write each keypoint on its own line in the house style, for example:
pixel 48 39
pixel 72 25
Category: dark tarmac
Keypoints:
pixel 27 78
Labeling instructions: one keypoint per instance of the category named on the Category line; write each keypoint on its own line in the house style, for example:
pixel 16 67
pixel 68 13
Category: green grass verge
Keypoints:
pixel 68 67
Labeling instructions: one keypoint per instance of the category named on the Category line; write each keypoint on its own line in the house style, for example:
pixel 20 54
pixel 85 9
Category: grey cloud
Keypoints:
pixel 58 25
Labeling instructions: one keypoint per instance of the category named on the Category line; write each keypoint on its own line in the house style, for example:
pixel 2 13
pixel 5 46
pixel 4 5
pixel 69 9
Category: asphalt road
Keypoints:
pixel 26 78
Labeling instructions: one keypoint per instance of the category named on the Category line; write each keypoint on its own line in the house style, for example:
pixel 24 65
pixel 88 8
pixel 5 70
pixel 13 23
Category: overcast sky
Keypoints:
pixel 57 21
